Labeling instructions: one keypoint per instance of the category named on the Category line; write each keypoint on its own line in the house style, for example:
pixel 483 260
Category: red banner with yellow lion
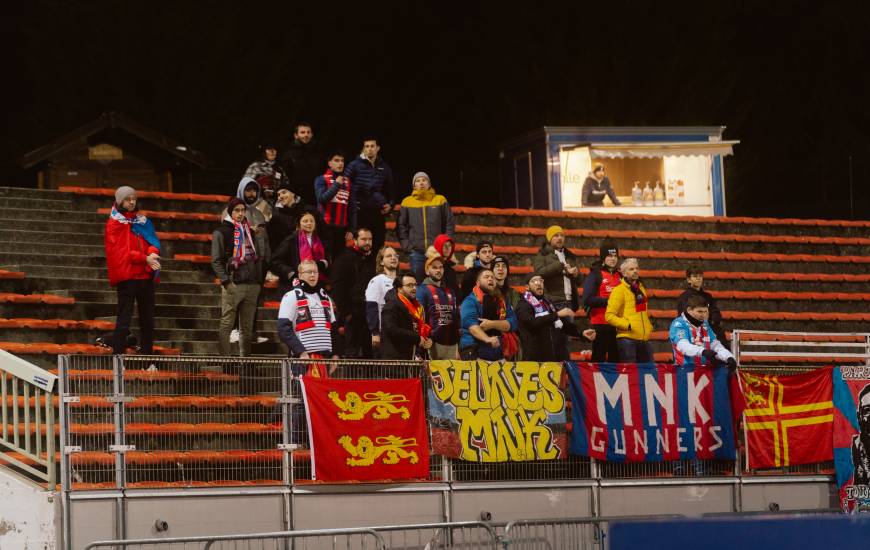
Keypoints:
pixel 366 429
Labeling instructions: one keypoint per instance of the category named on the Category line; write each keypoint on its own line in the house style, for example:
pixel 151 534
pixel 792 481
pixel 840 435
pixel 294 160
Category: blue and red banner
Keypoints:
pixel 366 429
pixel 852 436
pixel 649 412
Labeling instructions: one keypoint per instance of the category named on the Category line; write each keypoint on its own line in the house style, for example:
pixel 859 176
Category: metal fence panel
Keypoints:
pixel 322 539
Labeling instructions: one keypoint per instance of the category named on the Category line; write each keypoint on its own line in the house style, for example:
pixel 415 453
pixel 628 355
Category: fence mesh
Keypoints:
pixel 140 422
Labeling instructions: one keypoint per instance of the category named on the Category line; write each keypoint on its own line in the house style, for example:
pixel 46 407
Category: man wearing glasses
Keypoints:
pixel 404 332
pixel 306 316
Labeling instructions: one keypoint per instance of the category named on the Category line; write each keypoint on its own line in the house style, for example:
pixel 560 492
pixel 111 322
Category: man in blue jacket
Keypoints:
pixel 373 190
pixel 487 319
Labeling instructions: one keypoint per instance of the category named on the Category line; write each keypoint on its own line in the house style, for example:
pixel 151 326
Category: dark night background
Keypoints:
pixel 442 83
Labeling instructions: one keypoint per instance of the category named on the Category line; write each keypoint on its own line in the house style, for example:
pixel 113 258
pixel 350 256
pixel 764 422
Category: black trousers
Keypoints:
pixel 374 220
pixel 140 291
pixel 604 348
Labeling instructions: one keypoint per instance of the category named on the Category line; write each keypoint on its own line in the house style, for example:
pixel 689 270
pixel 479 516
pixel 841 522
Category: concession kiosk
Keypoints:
pixel 650 170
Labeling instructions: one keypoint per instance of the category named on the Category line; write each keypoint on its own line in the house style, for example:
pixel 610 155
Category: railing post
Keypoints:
pixel 50 435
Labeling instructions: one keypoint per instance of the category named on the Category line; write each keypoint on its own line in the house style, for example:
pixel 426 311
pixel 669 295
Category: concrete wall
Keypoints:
pixel 205 512
pixel 29 515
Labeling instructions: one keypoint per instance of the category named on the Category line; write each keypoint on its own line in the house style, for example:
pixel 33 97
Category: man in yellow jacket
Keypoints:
pixel 627 311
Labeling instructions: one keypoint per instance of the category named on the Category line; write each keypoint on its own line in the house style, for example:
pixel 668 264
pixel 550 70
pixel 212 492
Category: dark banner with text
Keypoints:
pixel 497 412
pixel 649 412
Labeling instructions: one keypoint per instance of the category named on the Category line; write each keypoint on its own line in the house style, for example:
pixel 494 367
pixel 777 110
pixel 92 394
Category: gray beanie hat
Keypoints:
pixel 420 175
pixel 123 192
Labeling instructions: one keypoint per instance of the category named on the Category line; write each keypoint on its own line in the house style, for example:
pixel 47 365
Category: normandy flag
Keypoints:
pixel 365 430
pixel 788 419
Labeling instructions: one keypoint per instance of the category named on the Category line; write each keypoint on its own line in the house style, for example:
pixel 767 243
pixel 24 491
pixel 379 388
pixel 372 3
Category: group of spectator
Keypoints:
pixel 318 232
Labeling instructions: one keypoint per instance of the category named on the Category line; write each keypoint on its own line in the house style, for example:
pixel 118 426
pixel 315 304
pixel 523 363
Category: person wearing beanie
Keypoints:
pixel 424 216
pixel 595 187
pixel 373 192
pixel 441 310
pixel 501 268
pixel 602 279
pixel 695 283
pixel 444 247
pixel 133 263
pixel 558 266
pixel 480 258
pixel 289 207
pixel 238 256
pixel 334 195
pixel 267 172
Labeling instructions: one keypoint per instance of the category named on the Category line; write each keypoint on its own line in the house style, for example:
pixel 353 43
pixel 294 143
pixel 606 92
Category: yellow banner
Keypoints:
pixel 497 412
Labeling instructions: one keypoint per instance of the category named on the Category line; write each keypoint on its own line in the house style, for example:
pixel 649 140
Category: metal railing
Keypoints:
pixel 752 347
pixel 346 539
pixel 150 422
pixel 564 533
pixel 29 431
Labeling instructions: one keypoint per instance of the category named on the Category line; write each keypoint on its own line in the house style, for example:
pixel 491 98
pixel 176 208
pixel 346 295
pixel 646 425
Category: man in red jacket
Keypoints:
pixel 133 262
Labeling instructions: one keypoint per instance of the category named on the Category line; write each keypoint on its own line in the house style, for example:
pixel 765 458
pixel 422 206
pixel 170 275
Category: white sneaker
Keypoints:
pixel 262 339
pixel 234 336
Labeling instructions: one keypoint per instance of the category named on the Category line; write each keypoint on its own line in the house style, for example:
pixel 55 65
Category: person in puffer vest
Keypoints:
pixel 424 216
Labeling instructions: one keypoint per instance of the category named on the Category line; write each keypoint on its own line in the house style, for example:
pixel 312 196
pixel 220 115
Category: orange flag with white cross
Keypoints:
pixel 788 419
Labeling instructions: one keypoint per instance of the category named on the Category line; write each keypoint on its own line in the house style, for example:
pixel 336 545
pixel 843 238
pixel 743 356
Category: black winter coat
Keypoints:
pixel 541 341
pixel 350 274
pixel 285 260
pixel 398 337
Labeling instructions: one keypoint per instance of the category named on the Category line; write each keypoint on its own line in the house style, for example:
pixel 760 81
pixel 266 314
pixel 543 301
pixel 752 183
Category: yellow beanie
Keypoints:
pixel 552 230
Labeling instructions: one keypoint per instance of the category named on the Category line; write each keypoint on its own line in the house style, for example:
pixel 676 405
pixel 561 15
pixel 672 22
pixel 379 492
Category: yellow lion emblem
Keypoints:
pixel 366 452
pixel 355 407
pixel 753 399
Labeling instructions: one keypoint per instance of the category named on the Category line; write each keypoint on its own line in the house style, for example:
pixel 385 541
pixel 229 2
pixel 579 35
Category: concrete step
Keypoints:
pixel 99 273
pixel 71 260
pixel 27 216
pixel 39 311
pixel 162 298
pixel 33 203
pixel 709 225
pixel 210 347
pixel 85 202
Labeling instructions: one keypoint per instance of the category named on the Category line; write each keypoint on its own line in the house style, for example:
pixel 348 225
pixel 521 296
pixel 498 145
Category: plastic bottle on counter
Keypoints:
pixel 659 194
pixel 636 194
pixel 671 193
pixel 681 192
pixel 648 197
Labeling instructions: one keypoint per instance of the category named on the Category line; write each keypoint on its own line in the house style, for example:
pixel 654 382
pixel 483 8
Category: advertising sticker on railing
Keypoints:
pixel 366 429
pixel 648 412
pixel 497 412
pixel 851 396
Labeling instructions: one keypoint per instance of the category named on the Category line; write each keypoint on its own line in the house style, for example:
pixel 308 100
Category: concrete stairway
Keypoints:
pixel 767 273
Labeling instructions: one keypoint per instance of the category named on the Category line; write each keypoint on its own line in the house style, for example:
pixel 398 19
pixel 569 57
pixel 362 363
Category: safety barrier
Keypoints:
pixel 133 422
pixel 564 533
pixel 357 539
pixel 27 410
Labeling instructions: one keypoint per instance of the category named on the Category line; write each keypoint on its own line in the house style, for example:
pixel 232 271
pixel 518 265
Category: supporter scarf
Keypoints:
pixel 639 297
pixel 244 250
pixel 139 225
pixel 423 195
pixel 416 311
pixel 542 306
pixel 499 300
pixel 310 251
